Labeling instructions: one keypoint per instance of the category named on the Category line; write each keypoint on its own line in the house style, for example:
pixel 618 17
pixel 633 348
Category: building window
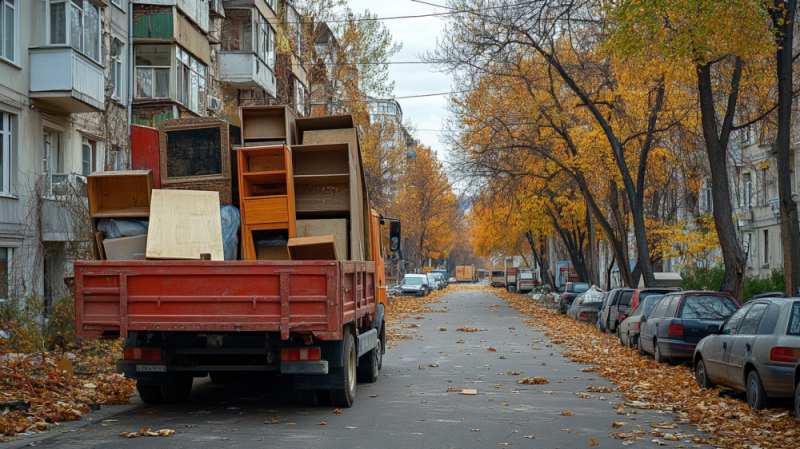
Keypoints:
pixel 8 29
pixel 237 31
pixel 191 81
pixel 82 19
pixel 747 246
pixel 747 187
pixel 709 199
pixel 273 4
pixel 152 71
pixel 766 247
pixel 87 157
pixel 5 270
pixel 116 71
pixel 764 185
pixel 6 144
pixel 266 43
pixel 117 2
pixel 295 33
pixel 299 97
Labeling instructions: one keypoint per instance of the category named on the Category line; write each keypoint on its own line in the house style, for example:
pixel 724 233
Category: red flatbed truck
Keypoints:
pixel 321 321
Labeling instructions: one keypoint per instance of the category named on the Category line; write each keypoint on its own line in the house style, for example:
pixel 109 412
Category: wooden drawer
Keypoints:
pixel 266 210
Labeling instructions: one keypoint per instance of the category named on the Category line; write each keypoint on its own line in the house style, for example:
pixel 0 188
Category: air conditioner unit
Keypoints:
pixel 214 104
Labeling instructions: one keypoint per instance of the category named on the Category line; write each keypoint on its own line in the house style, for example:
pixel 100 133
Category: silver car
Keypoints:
pixel 629 328
pixel 586 306
pixel 755 350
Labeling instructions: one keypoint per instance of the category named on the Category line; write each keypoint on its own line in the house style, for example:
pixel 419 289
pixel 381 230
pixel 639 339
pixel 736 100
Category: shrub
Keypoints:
pixel 711 279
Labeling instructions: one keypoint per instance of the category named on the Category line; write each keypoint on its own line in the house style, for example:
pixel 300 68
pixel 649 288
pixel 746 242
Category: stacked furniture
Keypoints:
pixel 195 154
pixel 267 196
pixel 119 195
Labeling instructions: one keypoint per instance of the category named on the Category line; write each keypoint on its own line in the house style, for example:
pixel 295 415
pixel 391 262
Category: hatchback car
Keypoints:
pixel 570 292
pixel 586 306
pixel 756 350
pixel 680 320
pixel 415 284
pixel 628 330
pixel 609 316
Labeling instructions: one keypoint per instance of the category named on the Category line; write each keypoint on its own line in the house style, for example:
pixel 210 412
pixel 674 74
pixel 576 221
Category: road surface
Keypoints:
pixel 409 406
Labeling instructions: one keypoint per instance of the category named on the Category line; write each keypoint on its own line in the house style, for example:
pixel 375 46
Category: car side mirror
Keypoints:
pixel 712 328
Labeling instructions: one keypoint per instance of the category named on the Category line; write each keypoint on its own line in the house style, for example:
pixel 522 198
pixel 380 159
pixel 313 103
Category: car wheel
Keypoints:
pixel 346 395
pixel 310 398
pixel 797 401
pixel 150 394
pixel 179 391
pixel 657 353
pixel 701 375
pixel 756 395
pixel 640 348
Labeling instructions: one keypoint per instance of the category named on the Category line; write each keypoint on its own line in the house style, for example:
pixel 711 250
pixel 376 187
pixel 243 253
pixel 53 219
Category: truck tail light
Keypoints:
pixel 299 354
pixel 787 355
pixel 148 354
pixel 675 329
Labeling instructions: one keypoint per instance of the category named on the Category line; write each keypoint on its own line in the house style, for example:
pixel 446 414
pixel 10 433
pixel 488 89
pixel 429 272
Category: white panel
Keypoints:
pixel 50 70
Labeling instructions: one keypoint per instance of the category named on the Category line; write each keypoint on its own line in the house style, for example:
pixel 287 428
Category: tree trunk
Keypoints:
pixel 591 247
pixel 790 236
pixel 539 257
pixel 717 149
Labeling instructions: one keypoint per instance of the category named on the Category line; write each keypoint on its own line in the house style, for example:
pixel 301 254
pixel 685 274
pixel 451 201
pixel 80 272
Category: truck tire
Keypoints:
pixel 369 364
pixel 345 396
pixel 179 391
pixel 310 398
pixel 150 394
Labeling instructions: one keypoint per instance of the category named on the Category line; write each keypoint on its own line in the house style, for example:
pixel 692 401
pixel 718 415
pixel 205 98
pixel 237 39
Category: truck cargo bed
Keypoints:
pixel 319 297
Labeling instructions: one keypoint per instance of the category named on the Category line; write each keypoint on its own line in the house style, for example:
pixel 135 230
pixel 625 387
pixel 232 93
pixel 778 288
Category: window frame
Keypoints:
pixel 299 90
pixel 747 188
pixel 152 69
pixel 4 5
pixel 9 265
pixel 68 7
pixel 7 148
pixel 765 250
pixel 185 62
pixel 116 69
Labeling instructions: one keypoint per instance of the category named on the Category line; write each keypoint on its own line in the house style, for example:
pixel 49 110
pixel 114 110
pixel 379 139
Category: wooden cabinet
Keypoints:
pixel 267 195
pixel 195 154
pixel 267 126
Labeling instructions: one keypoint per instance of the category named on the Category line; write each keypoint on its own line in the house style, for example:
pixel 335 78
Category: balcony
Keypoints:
pixel 196 10
pixel 244 70
pixel 65 80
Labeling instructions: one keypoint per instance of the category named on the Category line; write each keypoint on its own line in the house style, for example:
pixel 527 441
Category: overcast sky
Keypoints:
pixel 417 35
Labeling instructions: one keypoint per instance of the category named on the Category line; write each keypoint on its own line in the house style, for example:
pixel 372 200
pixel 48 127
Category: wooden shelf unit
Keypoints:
pixel 267 197
pixel 267 125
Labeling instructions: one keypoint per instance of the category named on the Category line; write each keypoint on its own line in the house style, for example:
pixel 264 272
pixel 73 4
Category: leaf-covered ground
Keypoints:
pixel 35 395
pixel 647 384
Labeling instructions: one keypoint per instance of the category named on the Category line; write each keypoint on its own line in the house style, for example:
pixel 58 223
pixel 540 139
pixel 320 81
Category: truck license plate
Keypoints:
pixel 152 368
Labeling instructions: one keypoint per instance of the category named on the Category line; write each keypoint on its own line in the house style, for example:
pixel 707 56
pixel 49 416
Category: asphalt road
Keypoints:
pixel 410 405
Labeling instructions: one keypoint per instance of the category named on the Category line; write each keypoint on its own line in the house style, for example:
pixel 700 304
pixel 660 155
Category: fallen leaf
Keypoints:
pixel 530 437
pixel 532 381
pixel 323 423
pixel 492 349
pixel 567 413
pixel 338 411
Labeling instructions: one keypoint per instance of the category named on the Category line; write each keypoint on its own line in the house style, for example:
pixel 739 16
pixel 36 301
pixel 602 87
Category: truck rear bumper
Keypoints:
pixel 314 367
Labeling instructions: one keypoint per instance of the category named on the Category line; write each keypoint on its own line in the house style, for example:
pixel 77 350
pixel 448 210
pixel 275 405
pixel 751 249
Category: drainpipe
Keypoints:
pixel 131 72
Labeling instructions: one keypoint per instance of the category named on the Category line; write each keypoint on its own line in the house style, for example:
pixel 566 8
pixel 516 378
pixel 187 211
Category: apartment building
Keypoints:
pixel 63 115
pixel 756 203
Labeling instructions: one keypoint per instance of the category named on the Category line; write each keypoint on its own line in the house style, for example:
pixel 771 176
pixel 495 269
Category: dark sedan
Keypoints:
pixel 680 320
pixel 756 351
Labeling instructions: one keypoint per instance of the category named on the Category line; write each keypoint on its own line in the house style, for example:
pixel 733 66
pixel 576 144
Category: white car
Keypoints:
pixel 434 281
pixel 415 284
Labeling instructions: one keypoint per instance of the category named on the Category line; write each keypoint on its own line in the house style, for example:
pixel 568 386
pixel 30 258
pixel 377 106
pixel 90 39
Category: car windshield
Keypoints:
pixel 578 287
pixel 711 307
pixel 412 281
pixel 649 302
pixel 794 321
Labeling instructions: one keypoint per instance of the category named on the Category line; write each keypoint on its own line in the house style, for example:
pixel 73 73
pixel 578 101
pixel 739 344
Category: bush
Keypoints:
pixel 711 279
pixel 27 332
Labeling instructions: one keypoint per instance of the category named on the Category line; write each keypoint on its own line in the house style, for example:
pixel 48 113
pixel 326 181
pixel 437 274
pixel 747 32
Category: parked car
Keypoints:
pixel 415 284
pixel 756 350
pixel 434 281
pixel 628 330
pixel 680 320
pixel 497 278
pixel 626 306
pixel 452 280
pixel 586 306
pixel 571 290
pixel 442 279
pixel 524 280
pixel 609 316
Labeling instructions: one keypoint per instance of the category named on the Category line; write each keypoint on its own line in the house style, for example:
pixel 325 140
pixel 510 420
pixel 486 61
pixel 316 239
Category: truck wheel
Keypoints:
pixel 345 396
pixel 310 398
pixel 179 391
pixel 150 394
pixel 368 365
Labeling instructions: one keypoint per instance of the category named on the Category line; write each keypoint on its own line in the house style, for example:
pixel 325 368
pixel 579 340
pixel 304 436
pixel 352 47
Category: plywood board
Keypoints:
pixel 184 224
pixel 335 227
